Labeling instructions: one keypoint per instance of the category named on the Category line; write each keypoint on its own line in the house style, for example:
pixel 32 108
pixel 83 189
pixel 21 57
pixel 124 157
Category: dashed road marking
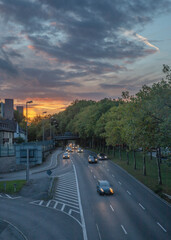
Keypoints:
pixel 141 206
pixel 124 229
pixel 98 231
pixel 113 175
pixel 128 192
pixel 112 208
pixel 161 227
pixel 120 183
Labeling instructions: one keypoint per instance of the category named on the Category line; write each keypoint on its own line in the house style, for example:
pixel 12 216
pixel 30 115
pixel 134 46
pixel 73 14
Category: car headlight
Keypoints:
pixel 101 189
pixel 111 190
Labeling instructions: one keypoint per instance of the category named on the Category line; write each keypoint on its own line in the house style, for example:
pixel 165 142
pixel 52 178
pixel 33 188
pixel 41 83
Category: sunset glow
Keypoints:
pixel 42 105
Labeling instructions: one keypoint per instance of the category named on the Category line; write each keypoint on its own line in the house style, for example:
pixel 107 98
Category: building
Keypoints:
pixel 20 109
pixel 1 109
pixel 9 109
pixel 7 129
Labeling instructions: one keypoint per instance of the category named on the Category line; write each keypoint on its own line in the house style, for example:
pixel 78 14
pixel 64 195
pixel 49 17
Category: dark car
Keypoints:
pixel 104 187
pixel 66 155
pixel 102 156
pixel 92 159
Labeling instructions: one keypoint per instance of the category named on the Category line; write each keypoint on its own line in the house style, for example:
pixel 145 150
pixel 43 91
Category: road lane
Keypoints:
pixel 129 215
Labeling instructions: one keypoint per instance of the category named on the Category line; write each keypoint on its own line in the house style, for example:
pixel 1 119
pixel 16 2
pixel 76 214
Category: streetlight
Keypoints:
pixel 27 120
pixel 27 169
pixel 43 127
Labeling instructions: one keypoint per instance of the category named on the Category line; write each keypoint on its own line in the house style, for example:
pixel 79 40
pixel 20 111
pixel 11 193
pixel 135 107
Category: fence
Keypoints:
pixel 10 150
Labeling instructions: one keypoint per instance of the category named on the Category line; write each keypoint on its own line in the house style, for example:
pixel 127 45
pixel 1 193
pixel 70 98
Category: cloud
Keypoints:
pixel 145 40
pixel 56 47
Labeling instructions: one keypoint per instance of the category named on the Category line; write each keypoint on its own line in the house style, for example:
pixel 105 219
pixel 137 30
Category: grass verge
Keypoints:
pixel 12 186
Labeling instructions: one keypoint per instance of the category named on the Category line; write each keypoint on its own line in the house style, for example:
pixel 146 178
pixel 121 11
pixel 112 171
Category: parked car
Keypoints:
pixel 66 155
pixel 92 159
pixel 102 156
pixel 104 187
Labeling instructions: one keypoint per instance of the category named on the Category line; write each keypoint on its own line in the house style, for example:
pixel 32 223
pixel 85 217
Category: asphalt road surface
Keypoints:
pixel 77 211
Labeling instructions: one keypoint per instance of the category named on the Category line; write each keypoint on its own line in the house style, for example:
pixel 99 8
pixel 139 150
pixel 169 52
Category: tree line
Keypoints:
pixel 129 122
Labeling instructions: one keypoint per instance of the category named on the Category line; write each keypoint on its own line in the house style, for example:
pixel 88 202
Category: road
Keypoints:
pixel 78 212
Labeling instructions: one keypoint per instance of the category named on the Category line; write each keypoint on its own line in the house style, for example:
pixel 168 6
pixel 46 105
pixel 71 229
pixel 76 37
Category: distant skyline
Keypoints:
pixel 53 52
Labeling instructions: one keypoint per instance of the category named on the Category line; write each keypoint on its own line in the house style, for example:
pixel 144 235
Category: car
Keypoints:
pixel 92 159
pixel 104 187
pixel 102 156
pixel 69 149
pixel 66 155
pixel 79 150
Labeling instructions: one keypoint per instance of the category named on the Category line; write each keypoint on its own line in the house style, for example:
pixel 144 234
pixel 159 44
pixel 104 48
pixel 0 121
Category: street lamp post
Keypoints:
pixel 27 120
pixel 43 127
pixel 27 169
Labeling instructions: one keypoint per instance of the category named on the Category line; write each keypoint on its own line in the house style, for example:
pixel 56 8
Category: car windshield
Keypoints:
pixel 104 184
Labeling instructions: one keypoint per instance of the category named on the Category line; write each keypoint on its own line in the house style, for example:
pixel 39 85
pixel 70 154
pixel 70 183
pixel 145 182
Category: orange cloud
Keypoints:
pixel 31 47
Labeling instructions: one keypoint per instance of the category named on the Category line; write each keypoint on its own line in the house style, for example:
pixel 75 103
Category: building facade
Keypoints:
pixel 9 109
pixel 20 109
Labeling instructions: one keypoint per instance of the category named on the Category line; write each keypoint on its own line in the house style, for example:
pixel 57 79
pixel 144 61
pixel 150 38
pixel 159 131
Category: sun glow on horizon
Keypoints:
pixel 50 106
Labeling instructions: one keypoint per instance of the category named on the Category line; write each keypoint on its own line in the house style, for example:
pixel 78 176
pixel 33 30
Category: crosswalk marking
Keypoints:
pixel 65 197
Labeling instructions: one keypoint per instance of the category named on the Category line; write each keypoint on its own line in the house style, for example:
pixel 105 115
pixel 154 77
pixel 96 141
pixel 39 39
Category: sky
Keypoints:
pixel 55 51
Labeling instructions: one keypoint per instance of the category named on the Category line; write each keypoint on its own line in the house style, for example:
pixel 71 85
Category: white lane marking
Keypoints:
pixel 128 192
pixel 81 210
pixel 72 185
pixel 94 177
pixel 113 175
pixel 112 208
pixel 120 183
pixel 65 195
pixel 70 192
pixel 161 227
pixel 68 188
pixel 55 205
pixel 70 211
pixel 67 202
pixel 141 206
pixel 63 207
pixel 67 198
pixel 98 232
pixel 40 203
pixel 16 229
pixel 8 196
pixel 47 205
pixel 69 181
pixel 124 229
pixel 91 170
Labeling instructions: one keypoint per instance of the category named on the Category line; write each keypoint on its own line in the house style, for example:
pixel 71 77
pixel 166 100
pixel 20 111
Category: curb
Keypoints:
pixel 15 229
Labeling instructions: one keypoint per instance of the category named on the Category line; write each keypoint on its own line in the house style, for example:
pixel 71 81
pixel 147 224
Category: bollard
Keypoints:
pixel 15 187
